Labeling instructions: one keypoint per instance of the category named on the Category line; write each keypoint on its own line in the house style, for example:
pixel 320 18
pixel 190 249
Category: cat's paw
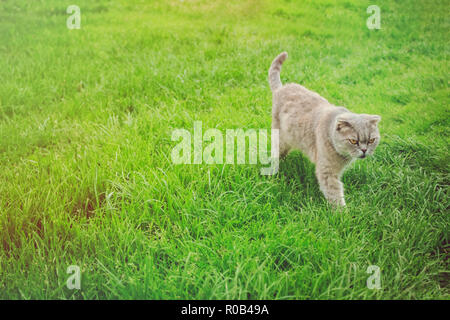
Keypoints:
pixel 338 203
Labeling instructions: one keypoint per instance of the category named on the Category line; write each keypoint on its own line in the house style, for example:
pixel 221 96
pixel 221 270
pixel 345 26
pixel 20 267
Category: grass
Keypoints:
pixel 86 177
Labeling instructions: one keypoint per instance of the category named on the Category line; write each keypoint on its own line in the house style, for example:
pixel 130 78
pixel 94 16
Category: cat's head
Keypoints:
pixel 356 135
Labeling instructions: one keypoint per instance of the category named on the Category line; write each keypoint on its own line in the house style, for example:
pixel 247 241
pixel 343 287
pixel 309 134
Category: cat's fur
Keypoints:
pixel 322 131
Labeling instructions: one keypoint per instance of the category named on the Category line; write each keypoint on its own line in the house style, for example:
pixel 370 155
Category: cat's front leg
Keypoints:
pixel 331 187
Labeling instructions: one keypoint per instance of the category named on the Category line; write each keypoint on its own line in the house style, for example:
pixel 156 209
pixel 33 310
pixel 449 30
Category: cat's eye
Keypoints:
pixel 372 140
pixel 352 141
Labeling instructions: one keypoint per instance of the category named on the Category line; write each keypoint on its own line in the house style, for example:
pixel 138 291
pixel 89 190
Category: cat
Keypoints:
pixel 330 136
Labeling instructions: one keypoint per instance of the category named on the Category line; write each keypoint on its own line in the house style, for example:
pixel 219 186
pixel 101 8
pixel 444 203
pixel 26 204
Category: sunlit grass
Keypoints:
pixel 85 124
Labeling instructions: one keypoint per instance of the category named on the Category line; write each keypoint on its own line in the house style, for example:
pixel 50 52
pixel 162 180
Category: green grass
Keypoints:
pixel 86 118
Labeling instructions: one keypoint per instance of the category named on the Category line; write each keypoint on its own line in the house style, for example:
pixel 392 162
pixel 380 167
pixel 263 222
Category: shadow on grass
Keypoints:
pixel 297 177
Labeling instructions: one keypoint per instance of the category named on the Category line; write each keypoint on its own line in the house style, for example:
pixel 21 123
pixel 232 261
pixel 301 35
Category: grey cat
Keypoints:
pixel 332 137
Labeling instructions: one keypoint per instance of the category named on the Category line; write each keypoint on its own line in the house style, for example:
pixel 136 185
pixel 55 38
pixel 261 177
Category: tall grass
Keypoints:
pixel 86 177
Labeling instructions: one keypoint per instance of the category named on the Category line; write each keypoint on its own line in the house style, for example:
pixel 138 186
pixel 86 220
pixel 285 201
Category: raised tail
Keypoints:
pixel 274 71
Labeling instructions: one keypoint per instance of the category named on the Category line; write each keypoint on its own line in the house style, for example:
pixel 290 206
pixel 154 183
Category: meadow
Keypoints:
pixel 86 179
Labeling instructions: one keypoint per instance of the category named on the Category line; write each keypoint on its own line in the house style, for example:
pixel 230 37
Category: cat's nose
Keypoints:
pixel 364 150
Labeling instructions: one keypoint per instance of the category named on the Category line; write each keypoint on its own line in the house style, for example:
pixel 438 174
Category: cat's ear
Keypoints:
pixel 342 124
pixel 374 119
pixel 343 121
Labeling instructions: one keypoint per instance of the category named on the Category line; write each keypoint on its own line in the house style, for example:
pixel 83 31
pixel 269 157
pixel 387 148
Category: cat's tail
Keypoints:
pixel 274 71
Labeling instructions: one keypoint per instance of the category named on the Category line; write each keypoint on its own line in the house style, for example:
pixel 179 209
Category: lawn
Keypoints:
pixel 86 179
